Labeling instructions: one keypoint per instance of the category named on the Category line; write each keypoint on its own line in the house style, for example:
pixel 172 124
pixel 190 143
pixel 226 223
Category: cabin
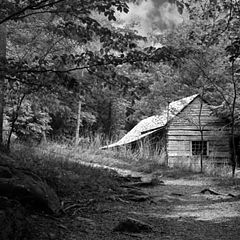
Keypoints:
pixel 190 130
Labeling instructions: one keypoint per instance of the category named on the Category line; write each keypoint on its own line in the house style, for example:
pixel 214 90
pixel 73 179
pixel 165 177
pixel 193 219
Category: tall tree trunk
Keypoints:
pixel 15 114
pixel 3 44
pixel 201 132
pixel 78 121
pixel 166 135
pixel 234 152
pixel 109 124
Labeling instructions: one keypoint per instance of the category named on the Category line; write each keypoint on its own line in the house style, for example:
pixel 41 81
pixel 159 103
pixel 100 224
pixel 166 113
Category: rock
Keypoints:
pixel 212 192
pixel 209 191
pixel 86 220
pixel 13 223
pixel 5 172
pixel 86 224
pixel 146 182
pixel 136 192
pixel 52 235
pixel 132 225
pixel 136 198
pixel 28 188
pixel 177 194
pixel 151 181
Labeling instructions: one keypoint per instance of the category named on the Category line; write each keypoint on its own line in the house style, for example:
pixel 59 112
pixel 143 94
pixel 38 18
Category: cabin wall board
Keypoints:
pixel 185 128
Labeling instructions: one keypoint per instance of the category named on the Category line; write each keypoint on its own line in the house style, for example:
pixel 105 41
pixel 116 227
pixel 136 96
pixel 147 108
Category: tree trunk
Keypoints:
pixel 78 121
pixel 3 44
pixel 15 114
pixel 201 132
pixel 234 155
pixel 44 138
pixel 234 152
pixel 109 124
pixel 166 135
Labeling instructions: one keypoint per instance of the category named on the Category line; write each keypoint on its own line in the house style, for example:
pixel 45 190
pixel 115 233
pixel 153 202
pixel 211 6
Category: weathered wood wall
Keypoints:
pixel 185 128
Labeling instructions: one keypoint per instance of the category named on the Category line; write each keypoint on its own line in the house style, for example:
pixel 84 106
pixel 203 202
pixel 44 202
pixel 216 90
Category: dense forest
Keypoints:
pixel 81 68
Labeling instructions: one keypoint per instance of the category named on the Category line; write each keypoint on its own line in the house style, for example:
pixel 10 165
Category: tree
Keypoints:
pixel 210 54
pixel 71 22
pixel 61 33
pixel 2 75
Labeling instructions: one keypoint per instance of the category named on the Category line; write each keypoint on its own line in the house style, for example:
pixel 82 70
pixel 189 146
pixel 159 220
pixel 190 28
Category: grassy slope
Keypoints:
pixel 83 190
pixel 89 195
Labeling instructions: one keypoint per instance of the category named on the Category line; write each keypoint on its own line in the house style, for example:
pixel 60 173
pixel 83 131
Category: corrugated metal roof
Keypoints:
pixel 152 124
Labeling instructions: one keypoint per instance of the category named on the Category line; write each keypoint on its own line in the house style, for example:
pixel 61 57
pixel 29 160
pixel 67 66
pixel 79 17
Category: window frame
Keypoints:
pixel 191 148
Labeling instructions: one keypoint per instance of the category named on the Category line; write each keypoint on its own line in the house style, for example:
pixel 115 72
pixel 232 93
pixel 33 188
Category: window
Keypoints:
pixel 199 147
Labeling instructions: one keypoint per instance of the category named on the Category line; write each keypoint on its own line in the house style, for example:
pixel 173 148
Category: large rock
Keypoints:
pixel 27 188
pixel 13 223
pixel 132 225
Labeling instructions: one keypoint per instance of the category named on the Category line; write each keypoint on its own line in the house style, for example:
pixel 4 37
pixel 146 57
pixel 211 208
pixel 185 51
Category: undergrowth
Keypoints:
pixel 66 176
pixel 69 168
pixel 210 166
pixel 89 152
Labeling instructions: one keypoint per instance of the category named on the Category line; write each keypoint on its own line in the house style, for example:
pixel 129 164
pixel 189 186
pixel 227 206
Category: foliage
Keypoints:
pixel 56 166
pixel 31 123
pixel 65 53
pixel 211 35
pixel 49 40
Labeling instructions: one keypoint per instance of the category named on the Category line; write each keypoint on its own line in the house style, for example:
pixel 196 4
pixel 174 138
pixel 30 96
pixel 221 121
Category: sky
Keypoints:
pixel 152 15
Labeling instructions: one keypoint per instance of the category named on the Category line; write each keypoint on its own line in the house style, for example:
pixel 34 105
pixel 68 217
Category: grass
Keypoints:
pixel 210 168
pixel 89 153
pixel 62 164
pixel 54 163
pixel 69 170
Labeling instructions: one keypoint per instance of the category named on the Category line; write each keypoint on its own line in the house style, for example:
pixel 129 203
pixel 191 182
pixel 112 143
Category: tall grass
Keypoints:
pixel 210 166
pixel 55 163
pixel 144 158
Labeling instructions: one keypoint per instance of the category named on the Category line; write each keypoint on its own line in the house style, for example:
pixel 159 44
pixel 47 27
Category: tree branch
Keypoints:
pixel 211 81
pixel 33 7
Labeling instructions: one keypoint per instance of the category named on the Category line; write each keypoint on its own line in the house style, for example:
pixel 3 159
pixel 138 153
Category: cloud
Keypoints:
pixel 138 16
pixel 169 17
pixel 149 16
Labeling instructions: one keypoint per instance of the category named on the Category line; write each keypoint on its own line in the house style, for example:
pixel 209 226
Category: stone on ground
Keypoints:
pixel 132 225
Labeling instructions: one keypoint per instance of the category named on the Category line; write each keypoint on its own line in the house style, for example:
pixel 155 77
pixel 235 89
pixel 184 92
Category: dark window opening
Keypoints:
pixel 199 147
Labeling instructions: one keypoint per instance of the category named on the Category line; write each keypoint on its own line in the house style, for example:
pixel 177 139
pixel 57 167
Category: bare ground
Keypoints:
pixel 176 210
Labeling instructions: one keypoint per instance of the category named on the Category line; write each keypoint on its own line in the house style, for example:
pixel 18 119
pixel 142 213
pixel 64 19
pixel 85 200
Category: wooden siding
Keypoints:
pixel 184 129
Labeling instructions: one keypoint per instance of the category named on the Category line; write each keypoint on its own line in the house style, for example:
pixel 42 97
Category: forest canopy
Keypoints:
pixel 77 68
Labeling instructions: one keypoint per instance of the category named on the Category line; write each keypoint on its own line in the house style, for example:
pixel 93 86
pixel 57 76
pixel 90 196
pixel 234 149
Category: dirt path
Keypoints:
pixel 179 212
pixel 183 212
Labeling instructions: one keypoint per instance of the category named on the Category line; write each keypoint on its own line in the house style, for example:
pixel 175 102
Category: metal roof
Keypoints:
pixel 152 124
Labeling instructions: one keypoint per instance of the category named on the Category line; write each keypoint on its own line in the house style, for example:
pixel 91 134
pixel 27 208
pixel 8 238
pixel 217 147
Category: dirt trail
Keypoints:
pixel 177 210
pixel 186 213
pixel 181 212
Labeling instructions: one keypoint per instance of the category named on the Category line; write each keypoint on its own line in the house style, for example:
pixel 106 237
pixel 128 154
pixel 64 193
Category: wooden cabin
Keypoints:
pixel 191 130
pixel 197 131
